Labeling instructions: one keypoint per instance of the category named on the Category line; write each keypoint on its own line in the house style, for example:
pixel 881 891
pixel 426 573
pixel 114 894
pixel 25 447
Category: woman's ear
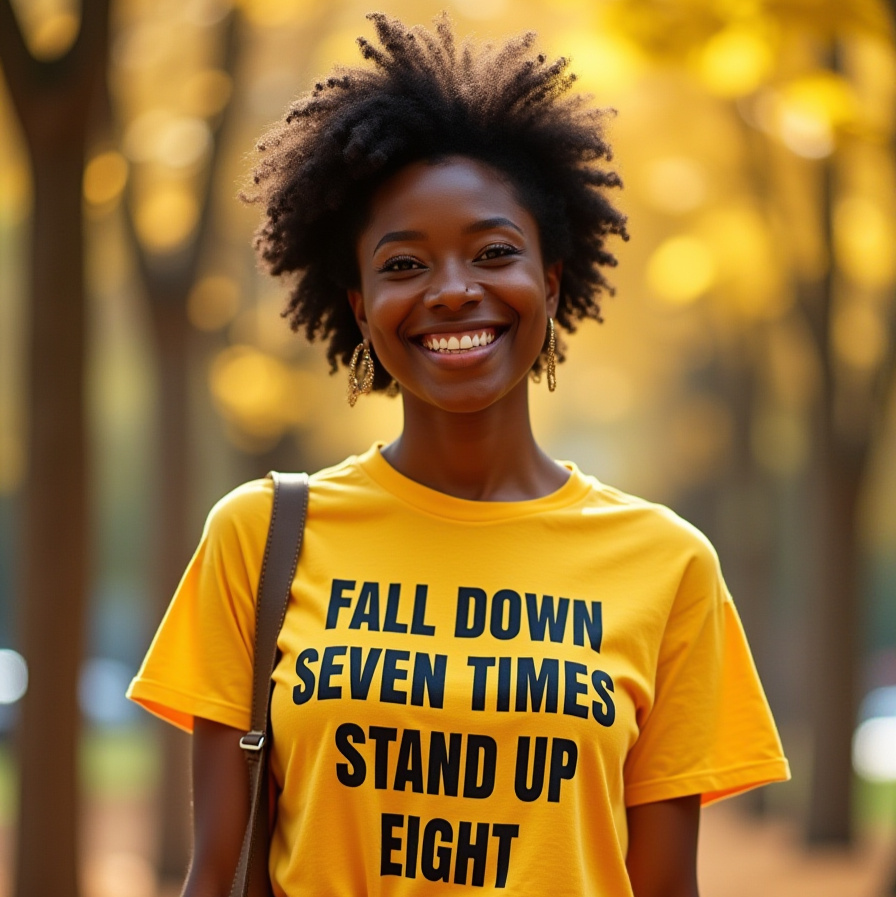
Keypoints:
pixel 553 275
pixel 356 301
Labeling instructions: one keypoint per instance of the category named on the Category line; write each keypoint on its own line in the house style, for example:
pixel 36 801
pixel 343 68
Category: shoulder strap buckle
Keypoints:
pixel 252 741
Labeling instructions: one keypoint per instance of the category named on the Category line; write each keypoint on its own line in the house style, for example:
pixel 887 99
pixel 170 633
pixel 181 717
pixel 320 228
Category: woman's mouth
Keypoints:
pixel 458 342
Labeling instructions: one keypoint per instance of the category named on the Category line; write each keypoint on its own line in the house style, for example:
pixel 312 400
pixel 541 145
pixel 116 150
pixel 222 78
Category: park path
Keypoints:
pixel 739 857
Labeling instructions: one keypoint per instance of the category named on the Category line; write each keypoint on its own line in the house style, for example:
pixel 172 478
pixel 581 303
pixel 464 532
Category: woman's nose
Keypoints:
pixel 452 288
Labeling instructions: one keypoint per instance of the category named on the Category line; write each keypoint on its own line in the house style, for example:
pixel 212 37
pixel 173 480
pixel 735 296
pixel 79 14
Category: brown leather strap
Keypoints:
pixel 278 569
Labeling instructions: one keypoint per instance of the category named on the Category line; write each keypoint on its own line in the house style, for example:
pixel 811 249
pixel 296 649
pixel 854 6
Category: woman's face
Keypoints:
pixel 454 293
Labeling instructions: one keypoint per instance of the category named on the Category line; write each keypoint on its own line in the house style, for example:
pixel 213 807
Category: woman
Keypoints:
pixel 496 673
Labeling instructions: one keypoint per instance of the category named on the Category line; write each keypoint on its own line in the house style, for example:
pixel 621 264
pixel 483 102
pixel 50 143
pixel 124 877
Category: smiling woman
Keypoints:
pixel 449 255
pixel 495 672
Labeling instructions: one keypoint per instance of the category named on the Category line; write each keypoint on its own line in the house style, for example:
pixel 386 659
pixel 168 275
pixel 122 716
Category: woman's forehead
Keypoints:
pixel 451 185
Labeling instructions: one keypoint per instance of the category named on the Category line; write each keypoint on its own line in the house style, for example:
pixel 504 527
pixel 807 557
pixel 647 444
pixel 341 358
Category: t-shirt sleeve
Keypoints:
pixel 709 730
pixel 200 661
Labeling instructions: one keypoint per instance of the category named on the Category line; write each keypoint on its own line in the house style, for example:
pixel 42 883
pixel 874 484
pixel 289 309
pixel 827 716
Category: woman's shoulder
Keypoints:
pixel 250 503
pixel 246 507
pixel 654 520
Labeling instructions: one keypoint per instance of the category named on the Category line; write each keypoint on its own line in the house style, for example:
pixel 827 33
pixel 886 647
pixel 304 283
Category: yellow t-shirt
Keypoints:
pixel 469 693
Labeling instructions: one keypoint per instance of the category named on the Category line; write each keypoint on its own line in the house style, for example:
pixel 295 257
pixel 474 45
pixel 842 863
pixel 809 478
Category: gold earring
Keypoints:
pixel 363 386
pixel 552 356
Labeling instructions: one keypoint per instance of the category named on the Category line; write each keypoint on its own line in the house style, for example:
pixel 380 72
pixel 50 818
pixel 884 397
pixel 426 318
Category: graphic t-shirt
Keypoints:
pixel 469 694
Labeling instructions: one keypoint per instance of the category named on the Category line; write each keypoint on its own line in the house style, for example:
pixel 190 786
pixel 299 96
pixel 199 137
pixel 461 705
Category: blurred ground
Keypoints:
pixel 739 857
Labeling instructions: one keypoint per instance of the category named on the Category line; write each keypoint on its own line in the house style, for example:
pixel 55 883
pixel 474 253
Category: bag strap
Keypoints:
pixel 278 569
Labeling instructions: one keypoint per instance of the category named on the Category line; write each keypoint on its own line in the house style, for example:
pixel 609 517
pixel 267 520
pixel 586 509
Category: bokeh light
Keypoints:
pixel 681 269
pixel 736 60
pixel 874 749
pixel 105 177
pixel 13 676
pixel 166 217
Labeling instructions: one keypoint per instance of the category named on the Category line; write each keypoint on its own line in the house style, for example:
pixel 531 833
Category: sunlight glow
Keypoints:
pixel 681 270
pixel 864 235
pixel 167 217
pixel 252 390
pixel 603 62
pixel 735 61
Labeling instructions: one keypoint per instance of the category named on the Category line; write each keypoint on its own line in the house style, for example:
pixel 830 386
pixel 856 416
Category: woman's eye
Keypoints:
pixel 399 263
pixel 496 251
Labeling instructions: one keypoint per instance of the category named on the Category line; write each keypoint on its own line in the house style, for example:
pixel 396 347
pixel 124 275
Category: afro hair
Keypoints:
pixel 424 99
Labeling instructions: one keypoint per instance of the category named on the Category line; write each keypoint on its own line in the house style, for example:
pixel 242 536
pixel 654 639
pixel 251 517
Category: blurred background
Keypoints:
pixel 744 375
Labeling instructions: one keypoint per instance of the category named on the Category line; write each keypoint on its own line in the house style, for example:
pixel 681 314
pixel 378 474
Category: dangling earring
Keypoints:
pixel 363 386
pixel 552 356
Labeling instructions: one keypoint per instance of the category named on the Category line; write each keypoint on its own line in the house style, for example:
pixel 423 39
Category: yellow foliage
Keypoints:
pixel 748 270
pixel 104 178
pixel 736 60
pixel 824 95
pixel 604 62
pixel 681 269
pixel 252 390
pixel 166 217
pixel 864 240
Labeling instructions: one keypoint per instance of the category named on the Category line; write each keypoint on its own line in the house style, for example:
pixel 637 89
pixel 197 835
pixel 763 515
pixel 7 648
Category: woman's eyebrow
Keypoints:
pixel 489 223
pixel 397 236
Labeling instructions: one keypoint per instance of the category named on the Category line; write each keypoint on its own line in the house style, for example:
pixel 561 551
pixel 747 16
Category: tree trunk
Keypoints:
pixel 55 533
pixel 836 613
pixel 53 101
pixel 835 642
pixel 173 336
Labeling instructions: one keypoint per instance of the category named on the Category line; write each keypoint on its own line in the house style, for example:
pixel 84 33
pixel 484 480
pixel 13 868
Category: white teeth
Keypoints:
pixel 453 344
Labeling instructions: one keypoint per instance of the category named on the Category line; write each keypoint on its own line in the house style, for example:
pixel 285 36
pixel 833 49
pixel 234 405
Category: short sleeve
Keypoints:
pixel 200 661
pixel 709 730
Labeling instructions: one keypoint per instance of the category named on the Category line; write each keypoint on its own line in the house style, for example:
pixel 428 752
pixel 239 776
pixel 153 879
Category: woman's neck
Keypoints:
pixel 490 455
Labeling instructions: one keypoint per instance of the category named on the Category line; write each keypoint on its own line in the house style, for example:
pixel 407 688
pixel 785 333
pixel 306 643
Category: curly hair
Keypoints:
pixel 425 99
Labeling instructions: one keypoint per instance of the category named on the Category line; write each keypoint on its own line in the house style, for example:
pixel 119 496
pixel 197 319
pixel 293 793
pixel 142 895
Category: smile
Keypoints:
pixel 458 342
